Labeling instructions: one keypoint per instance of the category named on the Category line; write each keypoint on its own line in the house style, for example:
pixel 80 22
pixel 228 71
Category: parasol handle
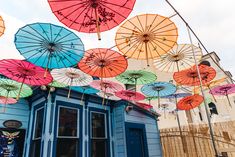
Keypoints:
pixel 48 61
pixel 21 86
pixel 211 94
pixel 228 100
pixel 5 102
pixel 70 88
pixel 97 24
pixel 82 97
pixel 104 97
pixel 158 99
pixel 177 65
pixel 49 93
pixel 135 84
pixel 146 52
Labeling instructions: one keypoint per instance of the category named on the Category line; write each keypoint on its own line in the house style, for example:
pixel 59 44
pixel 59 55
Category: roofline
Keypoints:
pixel 211 53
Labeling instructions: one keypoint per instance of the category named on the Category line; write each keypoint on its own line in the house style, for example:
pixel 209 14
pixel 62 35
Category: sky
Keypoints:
pixel 212 20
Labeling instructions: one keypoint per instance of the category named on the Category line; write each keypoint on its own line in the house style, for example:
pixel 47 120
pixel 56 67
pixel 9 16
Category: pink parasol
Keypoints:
pixel 130 95
pixel 5 100
pixel 224 90
pixel 144 105
pixel 24 72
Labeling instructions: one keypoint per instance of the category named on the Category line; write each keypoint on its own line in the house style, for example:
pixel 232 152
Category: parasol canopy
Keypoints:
pixel 2 26
pixel 224 90
pixel 130 95
pixel 71 77
pixel 180 57
pixel 190 76
pixel 106 86
pixel 57 84
pixel 146 36
pixel 177 95
pixel 144 105
pixel 5 100
pixel 85 89
pixel 109 96
pixel 190 102
pixel 103 63
pixel 91 16
pixel 49 46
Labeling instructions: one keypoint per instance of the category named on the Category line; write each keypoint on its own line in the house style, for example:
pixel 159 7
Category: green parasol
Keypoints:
pixel 136 77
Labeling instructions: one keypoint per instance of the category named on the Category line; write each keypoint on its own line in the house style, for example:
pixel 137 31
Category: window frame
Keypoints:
pixel 105 121
pixel 35 120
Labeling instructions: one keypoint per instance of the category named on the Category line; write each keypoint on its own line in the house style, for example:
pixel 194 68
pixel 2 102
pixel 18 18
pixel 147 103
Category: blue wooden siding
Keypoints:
pixel 18 111
pixel 152 132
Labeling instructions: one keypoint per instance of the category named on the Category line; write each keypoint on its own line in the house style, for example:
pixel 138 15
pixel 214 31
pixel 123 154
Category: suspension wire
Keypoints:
pixel 200 42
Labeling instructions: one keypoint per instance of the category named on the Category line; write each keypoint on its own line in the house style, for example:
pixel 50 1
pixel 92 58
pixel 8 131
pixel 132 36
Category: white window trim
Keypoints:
pixel 58 118
pixel 105 119
pixel 35 120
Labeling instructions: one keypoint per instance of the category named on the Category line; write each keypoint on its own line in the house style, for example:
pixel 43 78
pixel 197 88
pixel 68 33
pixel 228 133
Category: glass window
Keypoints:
pixel 67 140
pixel 99 135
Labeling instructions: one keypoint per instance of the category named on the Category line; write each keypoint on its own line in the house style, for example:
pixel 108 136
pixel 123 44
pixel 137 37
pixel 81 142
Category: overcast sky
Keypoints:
pixel 212 20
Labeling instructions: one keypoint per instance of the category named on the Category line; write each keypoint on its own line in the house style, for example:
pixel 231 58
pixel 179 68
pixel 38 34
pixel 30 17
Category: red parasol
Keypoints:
pixel 130 95
pixel 91 16
pixel 224 90
pixel 190 76
pixel 5 100
pixel 103 63
pixel 190 102
pixel 25 72
pixel 144 105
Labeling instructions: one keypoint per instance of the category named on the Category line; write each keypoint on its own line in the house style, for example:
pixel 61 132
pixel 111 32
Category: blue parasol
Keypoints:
pixel 84 90
pixel 158 89
pixel 49 46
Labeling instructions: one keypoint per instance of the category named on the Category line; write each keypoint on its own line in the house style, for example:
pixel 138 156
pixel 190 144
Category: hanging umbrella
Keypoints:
pixel 150 98
pixel 5 100
pixel 25 72
pixel 158 89
pixel 84 90
pixel 54 84
pixel 11 89
pixel 190 76
pixel 166 107
pixel 49 46
pixel 211 84
pixel 91 16
pixel 144 105
pixel 2 26
pixel 109 96
pixel 106 86
pixel 130 95
pixel 103 63
pixel 190 102
pixel 71 77
pixel 180 57
pixel 224 90
pixel 136 77
pixel 146 36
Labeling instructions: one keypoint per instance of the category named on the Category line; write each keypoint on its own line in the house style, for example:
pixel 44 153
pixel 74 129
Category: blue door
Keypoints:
pixel 136 140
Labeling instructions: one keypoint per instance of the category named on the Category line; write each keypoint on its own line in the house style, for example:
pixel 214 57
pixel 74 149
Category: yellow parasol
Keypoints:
pixel 2 26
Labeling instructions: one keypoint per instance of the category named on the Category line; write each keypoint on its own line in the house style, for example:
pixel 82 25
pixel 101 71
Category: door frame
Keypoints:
pixel 128 126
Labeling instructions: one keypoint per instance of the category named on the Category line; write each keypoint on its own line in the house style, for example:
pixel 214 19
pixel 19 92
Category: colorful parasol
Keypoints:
pixel 109 96
pixel 103 63
pixel 84 90
pixel 146 36
pixel 25 72
pixel 211 84
pixel 166 107
pixel 5 100
pixel 2 26
pixel 49 46
pixel 130 95
pixel 71 77
pixel 180 57
pixel 158 89
pixel 136 77
pixel 190 102
pixel 144 105
pixel 11 89
pixel 91 16
pixel 224 90
pixel 150 98
pixel 190 76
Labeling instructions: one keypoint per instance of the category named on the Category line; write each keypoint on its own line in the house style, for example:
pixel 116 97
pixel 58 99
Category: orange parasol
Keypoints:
pixel 146 36
pixel 190 76
pixel 180 57
pixel 103 63
pixel 190 102
pixel 2 26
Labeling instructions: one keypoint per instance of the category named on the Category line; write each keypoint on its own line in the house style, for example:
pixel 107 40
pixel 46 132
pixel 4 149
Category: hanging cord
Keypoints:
pixel 200 42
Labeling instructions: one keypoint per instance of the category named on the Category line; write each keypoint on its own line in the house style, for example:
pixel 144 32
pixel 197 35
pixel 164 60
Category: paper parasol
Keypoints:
pixel 180 57
pixel 71 77
pixel 190 76
pixel 158 89
pixel 2 26
pixel 130 95
pixel 146 36
pixel 144 105
pixel 91 16
pixel 190 102
pixel 49 46
pixel 103 63
pixel 25 72
pixel 224 90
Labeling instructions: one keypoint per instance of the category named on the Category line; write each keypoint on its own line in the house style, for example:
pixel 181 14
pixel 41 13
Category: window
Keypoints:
pixel 37 134
pixel 68 133
pixel 99 140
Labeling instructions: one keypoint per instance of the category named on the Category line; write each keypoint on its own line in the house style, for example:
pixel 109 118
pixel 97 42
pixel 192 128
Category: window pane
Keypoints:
pixel 98 148
pixel 39 123
pixel 36 147
pixel 67 147
pixel 68 122
pixel 98 125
